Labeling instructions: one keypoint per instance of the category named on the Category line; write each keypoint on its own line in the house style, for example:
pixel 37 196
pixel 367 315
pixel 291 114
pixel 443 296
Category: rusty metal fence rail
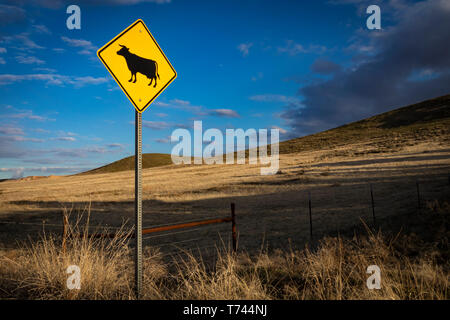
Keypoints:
pixel 232 218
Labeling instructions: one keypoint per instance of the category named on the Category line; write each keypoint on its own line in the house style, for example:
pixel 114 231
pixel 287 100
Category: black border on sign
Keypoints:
pixel 115 78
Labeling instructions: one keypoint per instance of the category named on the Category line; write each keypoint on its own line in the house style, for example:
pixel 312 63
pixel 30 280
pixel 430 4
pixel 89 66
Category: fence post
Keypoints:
pixel 418 195
pixel 310 216
pixel 373 206
pixel 233 226
pixel 64 233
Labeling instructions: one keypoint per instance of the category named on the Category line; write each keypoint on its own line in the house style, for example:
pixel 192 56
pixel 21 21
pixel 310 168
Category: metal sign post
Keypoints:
pixel 135 53
pixel 138 202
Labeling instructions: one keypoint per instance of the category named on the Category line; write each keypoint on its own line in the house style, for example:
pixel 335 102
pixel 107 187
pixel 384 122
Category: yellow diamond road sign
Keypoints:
pixel 138 64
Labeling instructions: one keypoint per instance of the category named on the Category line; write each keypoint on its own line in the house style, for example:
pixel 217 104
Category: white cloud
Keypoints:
pixel 72 139
pixel 179 101
pixel 87 48
pixel 274 98
pixel 3 50
pixel 49 70
pixel 155 125
pixel 88 80
pixel 282 131
pixel 259 76
pixel 29 60
pixel 82 152
pixel 52 79
pixel 22 139
pixel 77 42
pixel 11 131
pixel 18 172
pixel 182 105
pixel 24 39
pixel 39 28
pixel 164 140
pixel 292 48
pixel 85 52
pixel 17 138
pixel 2 61
pixel 197 110
pixel 115 145
pixel 40 130
pixel 244 48
pixel 49 78
pixel 161 104
pixel 224 113
pixel 26 114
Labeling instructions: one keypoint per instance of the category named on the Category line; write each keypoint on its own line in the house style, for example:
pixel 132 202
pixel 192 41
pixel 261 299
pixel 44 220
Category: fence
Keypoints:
pixel 336 209
pixel 309 215
pixel 156 229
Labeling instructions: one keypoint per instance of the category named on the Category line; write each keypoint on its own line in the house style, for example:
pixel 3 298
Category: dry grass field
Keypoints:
pixel 276 257
pixel 270 208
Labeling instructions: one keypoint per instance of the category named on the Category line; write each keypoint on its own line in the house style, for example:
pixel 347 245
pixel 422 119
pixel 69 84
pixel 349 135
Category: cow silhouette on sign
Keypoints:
pixel 137 64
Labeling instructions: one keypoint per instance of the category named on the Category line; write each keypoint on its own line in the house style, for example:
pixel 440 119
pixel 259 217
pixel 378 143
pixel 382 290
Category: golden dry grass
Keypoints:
pixel 335 270
pixel 273 208
pixel 197 182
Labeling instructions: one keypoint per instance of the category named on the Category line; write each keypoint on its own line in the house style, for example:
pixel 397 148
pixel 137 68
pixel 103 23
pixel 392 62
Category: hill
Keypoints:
pixel 389 131
pixel 149 160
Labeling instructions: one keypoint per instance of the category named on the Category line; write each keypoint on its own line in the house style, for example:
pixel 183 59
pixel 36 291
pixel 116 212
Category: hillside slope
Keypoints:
pixel 388 131
pixel 149 160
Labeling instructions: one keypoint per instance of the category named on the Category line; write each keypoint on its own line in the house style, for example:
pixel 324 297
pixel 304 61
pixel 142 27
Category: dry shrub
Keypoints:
pixel 195 281
pixel 39 269
pixel 335 270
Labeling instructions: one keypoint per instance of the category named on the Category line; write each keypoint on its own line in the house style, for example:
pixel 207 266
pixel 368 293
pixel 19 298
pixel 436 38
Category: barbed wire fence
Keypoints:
pixel 320 212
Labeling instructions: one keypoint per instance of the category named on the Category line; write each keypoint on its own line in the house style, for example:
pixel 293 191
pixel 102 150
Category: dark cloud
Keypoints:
pixel 57 4
pixel 324 66
pixel 11 14
pixel 417 44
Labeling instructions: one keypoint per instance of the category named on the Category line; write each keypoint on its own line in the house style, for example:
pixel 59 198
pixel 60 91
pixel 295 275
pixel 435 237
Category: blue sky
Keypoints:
pixel 302 66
